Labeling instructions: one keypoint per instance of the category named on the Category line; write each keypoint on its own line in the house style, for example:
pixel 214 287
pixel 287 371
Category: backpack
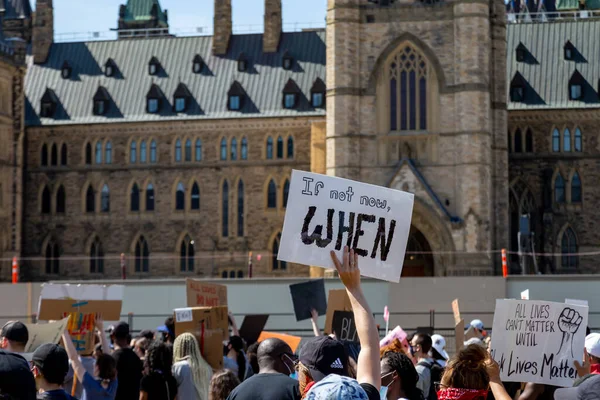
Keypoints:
pixel 434 371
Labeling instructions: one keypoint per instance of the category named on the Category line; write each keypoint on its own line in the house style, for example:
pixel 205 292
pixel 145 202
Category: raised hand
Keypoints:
pixel 569 322
pixel 314 315
pixel 585 368
pixel 348 268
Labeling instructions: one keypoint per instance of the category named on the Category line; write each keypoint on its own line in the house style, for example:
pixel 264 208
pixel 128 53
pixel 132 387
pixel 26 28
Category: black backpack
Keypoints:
pixel 436 372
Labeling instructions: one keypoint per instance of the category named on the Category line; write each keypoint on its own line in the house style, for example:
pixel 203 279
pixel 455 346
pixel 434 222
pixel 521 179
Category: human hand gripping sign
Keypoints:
pixel 569 322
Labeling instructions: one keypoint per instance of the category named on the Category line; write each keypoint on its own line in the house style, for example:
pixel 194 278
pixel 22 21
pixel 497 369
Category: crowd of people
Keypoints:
pixel 172 367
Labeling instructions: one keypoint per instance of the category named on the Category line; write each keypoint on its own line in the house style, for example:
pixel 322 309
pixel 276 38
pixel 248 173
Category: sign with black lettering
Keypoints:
pixel 326 213
pixel 307 296
pixel 343 326
pixel 538 341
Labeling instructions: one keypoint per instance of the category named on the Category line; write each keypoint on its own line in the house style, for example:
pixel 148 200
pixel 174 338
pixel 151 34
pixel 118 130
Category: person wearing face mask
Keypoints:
pixel 276 363
pixel 420 346
pixel 399 378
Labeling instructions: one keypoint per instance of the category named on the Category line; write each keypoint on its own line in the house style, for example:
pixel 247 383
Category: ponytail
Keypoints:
pixel 241 362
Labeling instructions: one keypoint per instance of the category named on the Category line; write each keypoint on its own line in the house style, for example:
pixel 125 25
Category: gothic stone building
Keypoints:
pixel 173 154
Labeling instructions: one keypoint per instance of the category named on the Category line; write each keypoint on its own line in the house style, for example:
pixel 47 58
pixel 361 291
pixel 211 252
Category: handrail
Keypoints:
pixel 550 16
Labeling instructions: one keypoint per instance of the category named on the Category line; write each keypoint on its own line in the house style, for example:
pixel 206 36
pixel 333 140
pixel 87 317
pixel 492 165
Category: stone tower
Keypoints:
pixel 43 30
pixel 16 19
pixel 273 22
pixel 142 18
pixel 222 27
pixel 416 101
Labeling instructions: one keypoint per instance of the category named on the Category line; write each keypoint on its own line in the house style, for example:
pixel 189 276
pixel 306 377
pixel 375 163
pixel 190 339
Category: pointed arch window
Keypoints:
pixel 224 275
pixel 269 148
pixel 517 88
pixel 408 75
pixel 555 140
pixel 52 258
pixel 195 197
pixel 186 259
pixel 44 155
pixel 98 153
pixel 223 149
pixel 244 152
pixel 240 208
pixel 61 200
pixel 576 188
pixel 188 150
pixel 198 150
pixel 272 194
pixel 105 199
pixel 180 197
pixel 178 150
pixel 63 154
pixel 96 257
pixel 54 155
pixel 276 264
pixel 290 147
pixel 90 201
pixel 143 152
pixel 568 249
pixel 234 149
pixel 518 141
pixel 232 274
pixel 578 141
pixel 153 152
pixel 528 141
pixel 225 210
pixel 135 198
pixel 286 192
pixel 88 154
pixel 559 189
pixel 108 153
pixel 279 147
pixel 150 197
pixel 46 200
pixel 240 274
pixel 142 255
pixel 133 152
pixel 567 140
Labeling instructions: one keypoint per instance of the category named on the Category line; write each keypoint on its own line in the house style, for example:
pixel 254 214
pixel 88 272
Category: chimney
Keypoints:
pixel 43 30
pixel 273 21
pixel 222 27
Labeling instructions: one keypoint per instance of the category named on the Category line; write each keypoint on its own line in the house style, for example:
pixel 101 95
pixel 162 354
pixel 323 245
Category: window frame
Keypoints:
pixel 180 197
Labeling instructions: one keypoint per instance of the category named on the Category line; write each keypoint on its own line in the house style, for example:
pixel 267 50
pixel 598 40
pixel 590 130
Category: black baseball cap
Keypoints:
pixel 120 330
pixel 52 361
pixel 146 333
pixel 324 356
pixel 16 380
pixel 15 331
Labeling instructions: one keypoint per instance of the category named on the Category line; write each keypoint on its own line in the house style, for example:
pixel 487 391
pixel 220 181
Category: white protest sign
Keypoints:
pixel 538 341
pixel 326 213
pixel 525 295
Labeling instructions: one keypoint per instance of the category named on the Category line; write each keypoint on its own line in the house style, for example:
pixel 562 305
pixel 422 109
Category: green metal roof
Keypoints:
pixel 545 70
pixel 140 10
pixel 263 82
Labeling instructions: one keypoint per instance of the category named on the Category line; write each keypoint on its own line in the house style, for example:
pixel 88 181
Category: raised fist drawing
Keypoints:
pixel 569 322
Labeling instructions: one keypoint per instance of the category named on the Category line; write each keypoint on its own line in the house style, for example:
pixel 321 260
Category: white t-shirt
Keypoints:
pixel 185 380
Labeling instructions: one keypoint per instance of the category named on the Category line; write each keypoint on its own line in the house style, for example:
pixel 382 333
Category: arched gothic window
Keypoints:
pixel 518 141
pixel 234 149
pixel 186 256
pixel 578 142
pixel 150 197
pixel 272 194
pixel 98 152
pixel 63 155
pixel 567 140
pixel 105 199
pixel 108 153
pixel 142 255
pixel 223 149
pixel 90 201
pixel 240 209
pixel 195 197
pixel 555 140
pixel 188 150
pixel 135 198
pixel 96 257
pixel 275 263
pixel 46 201
pixel 244 152
pixel 559 189
pixel 88 154
pixel 133 152
pixel 61 200
pixel 576 189
pixel 153 152
pixel 44 155
pixel 290 147
pixel 198 150
pixel 225 210
pixel 568 249
pixel 178 150
pixel 269 148
pixel 54 155
pixel 143 150
pixel 279 147
pixel 180 197
pixel 528 141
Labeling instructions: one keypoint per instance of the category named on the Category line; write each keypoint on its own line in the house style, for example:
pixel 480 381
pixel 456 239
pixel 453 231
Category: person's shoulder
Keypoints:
pixel 371 391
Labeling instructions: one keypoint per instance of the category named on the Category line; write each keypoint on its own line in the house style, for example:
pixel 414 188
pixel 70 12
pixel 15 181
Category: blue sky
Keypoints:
pixel 101 15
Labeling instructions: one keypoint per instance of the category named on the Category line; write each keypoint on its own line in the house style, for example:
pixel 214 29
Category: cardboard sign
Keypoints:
pixel 210 326
pixel 326 213
pixel 459 334
pixel 58 300
pixel 538 341
pixel 307 296
pixel 338 301
pixel 292 341
pixel 203 294
pixel 525 295
pixel 456 311
pixel 344 326
pixel 40 334
pixel 396 333
pixel 252 327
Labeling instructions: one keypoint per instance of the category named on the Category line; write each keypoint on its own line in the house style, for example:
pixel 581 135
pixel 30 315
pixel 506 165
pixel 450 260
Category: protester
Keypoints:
pixel 592 348
pixel 50 365
pixel 536 391
pixel 14 337
pixel 420 347
pixel 235 360
pixel 394 346
pixel 158 383
pixel 16 380
pixel 129 365
pixel 167 330
pixel 251 355
pixel 190 370
pixel 399 378
pixel 88 362
pixel 438 351
pixel 141 346
pixel 222 384
pixel 470 374
pixel 276 362
pixel 98 351
pixel 328 377
pixel 314 318
pixel 587 388
pixel 480 332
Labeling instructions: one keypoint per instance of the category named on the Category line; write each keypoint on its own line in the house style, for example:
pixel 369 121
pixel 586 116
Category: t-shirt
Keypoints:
pixel 185 380
pixel 371 391
pixel 424 376
pixel 129 374
pixel 267 387
pixel 55 395
pixel 93 389
pixel 232 365
pixel 159 386
pixel 88 363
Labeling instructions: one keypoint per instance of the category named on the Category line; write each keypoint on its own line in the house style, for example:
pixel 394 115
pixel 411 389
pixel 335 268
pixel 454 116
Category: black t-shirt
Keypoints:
pixel 372 392
pixel 159 386
pixel 267 387
pixel 55 395
pixel 129 374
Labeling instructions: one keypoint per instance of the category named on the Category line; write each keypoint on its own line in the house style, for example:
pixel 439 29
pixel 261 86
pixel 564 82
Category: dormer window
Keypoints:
pixel 101 101
pixel 521 52
pixel 517 88
pixel 181 98
pixel 110 68
pixel 65 70
pixel 569 51
pixel 154 99
pixel 576 84
pixel 153 66
pixel 317 94
pixel 152 106
pixel 242 63
pixel 288 61
pixel 235 97
pixel 291 93
pixel 48 104
pixel 198 64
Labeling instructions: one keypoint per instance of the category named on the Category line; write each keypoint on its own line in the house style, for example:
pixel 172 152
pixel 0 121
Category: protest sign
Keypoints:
pixel 209 325
pixel 203 294
pixel 338 300
pixel 252 326
pixel 459 334
pixel 343 326
pixel 44 333
pixel 326 213
pixel 396 333
pixel 583 303
pixel 292 341
pixel 307 296
pixel 538 341
pixel 525 295
pixel 456 311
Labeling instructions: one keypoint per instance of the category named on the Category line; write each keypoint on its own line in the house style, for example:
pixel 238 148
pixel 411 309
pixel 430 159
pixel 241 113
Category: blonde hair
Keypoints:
pixel 186 348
